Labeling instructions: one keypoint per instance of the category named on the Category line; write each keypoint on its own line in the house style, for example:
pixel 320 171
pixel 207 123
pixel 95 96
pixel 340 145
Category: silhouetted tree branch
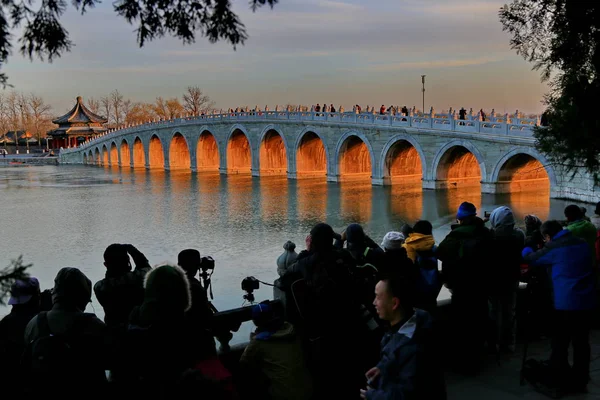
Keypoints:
pixel 44 36
pixel 16 270
pixel 562 40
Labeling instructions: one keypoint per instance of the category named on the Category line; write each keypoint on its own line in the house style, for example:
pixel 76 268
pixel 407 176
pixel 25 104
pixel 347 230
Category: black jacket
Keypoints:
pixel 119 293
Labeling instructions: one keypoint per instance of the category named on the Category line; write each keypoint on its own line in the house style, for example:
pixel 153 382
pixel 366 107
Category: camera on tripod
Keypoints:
pixel 249 285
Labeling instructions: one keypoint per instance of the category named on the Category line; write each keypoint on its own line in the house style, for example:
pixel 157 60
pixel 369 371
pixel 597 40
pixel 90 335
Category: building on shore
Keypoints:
pixel 76 126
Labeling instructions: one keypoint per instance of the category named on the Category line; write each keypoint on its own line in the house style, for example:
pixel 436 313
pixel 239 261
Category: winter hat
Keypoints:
pixel 322 236
pixel 393 240
pixel 465 210
pixel 423 227
pixel 166 294
pixel 72 287
pixel 23 290
pixel 266 320
pixel 189 260
pixel 355 233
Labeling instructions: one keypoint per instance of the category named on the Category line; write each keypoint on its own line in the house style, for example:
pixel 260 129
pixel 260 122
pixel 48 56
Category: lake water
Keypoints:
pixel 59 216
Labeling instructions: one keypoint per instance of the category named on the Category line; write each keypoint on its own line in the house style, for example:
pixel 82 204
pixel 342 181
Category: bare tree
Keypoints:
pixel 160 108
pixel 116 103
pixel 141 113
pixel 14 115
pixel 40 116
pixel 93 104
pixel 4 118
pixel 106 108
pixel 195 102
pixel 174 108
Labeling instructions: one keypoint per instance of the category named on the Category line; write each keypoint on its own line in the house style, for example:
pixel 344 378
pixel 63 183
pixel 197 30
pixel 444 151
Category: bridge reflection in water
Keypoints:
pixel 278 201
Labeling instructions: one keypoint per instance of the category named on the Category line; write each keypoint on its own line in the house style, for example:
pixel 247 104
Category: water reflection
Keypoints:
pixel 67 215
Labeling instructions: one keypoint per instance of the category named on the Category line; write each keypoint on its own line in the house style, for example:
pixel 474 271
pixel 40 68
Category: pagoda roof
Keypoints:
pixel 80 114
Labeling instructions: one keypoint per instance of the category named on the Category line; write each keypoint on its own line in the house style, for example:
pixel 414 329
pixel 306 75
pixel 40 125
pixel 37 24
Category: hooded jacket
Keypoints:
pixel 465 254
pixel 508 245
pixel 567 259
pixel 585 230
pixel 161 342
pixel 408 366
pixel 280 357
pixel 72 292
pixel 418 242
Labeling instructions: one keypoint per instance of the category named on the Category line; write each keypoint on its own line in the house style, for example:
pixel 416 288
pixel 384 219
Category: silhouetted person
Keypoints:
pixel 506 262
pixel 25 302
pixel 190 261
pixel 122 288
pixel 80 337
pixel 462 113
pixel 567 261
pixel 581 228
pixel 464 254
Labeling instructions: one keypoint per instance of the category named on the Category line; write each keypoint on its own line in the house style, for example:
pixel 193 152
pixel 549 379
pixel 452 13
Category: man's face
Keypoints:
pixel 384 303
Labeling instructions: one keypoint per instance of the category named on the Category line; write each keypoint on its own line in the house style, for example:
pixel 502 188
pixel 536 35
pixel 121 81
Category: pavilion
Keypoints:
pixel 76 126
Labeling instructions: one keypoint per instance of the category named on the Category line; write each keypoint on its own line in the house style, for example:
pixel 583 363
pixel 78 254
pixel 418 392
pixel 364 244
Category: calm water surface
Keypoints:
pixel 67 215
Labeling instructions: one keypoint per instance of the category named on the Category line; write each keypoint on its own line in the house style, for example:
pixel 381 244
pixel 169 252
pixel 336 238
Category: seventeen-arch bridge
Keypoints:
pixel 440 151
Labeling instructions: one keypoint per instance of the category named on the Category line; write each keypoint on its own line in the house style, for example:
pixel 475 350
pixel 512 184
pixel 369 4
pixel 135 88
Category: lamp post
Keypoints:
pixel 423 90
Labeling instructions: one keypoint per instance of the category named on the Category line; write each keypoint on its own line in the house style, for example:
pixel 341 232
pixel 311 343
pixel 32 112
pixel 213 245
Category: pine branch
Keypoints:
pixel 15 271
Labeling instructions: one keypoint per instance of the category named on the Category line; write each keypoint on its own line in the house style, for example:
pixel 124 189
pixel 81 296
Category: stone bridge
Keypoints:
pixel 438 150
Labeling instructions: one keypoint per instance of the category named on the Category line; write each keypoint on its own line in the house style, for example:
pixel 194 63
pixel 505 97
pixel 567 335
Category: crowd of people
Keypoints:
pixel 358 318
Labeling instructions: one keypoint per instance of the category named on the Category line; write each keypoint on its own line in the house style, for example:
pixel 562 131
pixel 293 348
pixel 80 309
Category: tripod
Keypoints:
pixel 207 285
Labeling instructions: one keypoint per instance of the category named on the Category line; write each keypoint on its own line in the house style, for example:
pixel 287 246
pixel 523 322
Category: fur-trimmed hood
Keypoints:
pixel 167 294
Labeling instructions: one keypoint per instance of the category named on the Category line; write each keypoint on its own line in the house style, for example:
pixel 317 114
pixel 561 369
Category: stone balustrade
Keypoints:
pixel 494 125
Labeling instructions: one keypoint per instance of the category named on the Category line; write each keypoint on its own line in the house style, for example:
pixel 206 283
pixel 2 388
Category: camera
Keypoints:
pixel 486 214
pixel 207 263
pixel 249 285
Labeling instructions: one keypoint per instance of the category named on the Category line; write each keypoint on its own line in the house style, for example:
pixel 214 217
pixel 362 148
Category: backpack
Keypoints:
pixel 429 282
pixel 58 360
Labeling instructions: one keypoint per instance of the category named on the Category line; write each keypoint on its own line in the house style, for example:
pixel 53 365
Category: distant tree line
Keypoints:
pixel 25 116
pixel 28 116
pixel 122 112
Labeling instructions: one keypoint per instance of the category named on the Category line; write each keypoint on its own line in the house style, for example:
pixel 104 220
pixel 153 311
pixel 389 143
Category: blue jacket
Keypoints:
pixel 570 270
pixel 408 367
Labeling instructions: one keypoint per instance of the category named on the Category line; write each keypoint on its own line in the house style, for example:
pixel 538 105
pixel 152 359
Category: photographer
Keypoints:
pixel 122 289
pixel 191 262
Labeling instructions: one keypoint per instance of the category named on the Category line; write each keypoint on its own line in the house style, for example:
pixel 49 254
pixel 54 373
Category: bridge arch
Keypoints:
pixel 523 169
pixel 125 153
pixel 104 155
pixel 402 158
pixel 91 160
pixel 239 151
pixel 311 154
pixel 114 155
pixel 156 154
pixel 85 158
pixel 354 157
pixel 207 152
pixel 273 152
pixel 179 152
pixel 139 155
pixel 458 163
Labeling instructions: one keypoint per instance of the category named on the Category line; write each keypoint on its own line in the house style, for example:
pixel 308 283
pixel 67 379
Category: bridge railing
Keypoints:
pixel 493 125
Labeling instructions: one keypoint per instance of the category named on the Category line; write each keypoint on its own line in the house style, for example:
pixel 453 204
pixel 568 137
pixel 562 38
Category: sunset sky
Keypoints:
pixel 302 52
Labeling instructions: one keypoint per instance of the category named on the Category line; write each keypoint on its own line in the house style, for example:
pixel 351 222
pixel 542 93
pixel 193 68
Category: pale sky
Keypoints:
pixel 370 52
